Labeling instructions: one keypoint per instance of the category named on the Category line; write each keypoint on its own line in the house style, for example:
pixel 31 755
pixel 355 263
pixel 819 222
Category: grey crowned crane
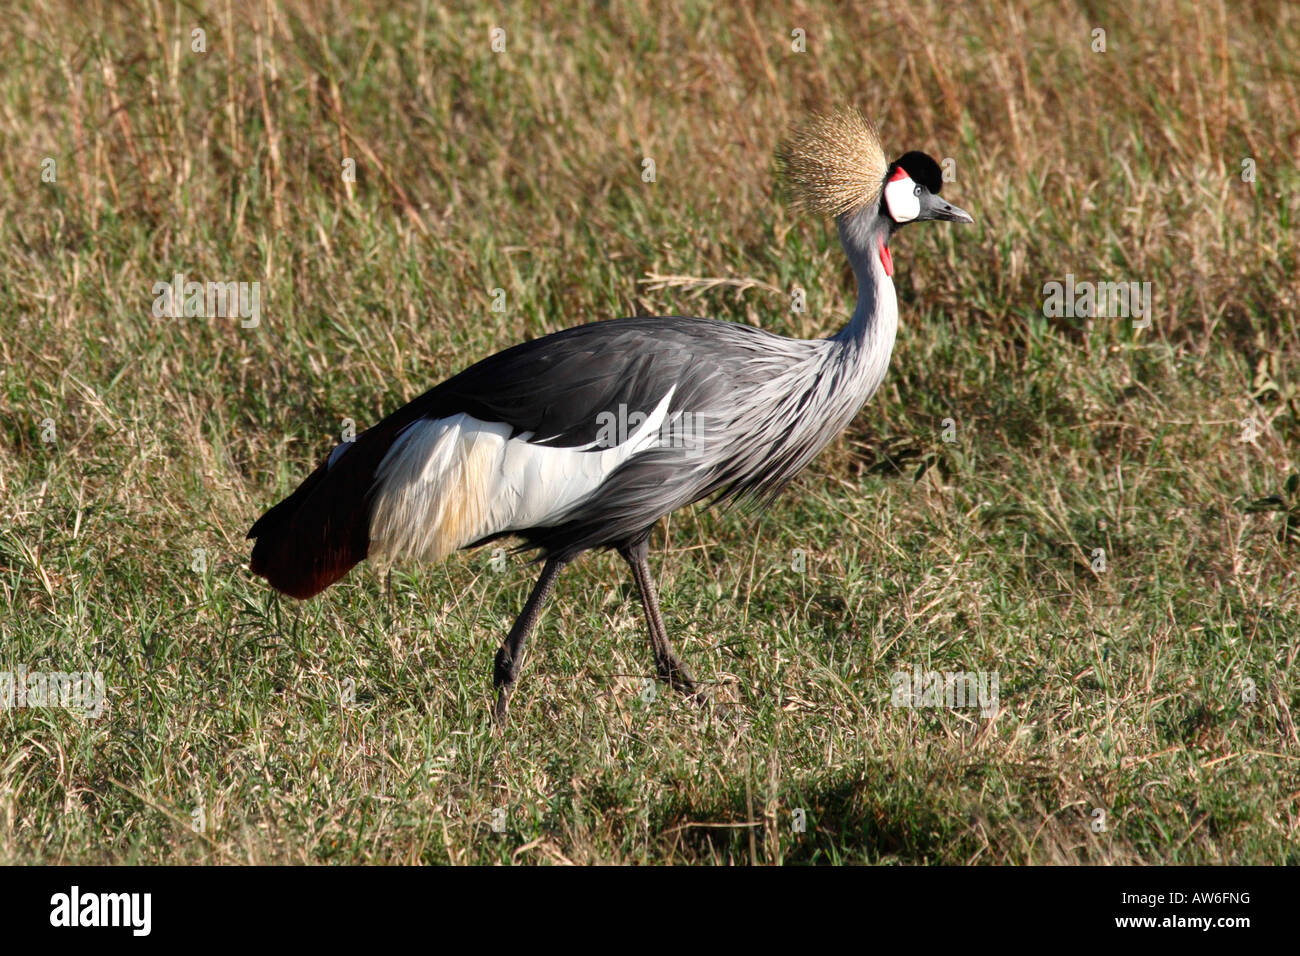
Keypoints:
pixel 585 438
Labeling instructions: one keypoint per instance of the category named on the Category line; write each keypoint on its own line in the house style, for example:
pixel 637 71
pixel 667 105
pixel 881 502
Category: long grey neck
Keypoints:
pixel 868 340
pixel 861 234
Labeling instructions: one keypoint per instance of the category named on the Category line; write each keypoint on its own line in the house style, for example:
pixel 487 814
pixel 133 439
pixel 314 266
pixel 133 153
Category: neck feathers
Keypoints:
pixel 870 333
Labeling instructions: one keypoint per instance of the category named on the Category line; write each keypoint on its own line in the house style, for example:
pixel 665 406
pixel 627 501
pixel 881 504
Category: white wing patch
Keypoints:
pixel 448 482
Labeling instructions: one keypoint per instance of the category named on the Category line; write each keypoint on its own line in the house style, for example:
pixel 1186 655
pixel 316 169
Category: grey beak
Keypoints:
pixel 947 211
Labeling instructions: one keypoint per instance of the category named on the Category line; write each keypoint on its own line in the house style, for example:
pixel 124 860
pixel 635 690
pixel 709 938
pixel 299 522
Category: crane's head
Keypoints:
pixel 836 166
pixel 911 192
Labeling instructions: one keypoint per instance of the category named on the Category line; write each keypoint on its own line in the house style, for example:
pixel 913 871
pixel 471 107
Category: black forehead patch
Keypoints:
pixel 922 168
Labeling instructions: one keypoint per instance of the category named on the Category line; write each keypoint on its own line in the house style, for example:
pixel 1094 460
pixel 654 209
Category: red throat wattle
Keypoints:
pixel 886 259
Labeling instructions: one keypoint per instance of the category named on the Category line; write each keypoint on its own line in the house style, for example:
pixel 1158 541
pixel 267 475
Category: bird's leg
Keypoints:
pixel 506 670
pixel 670 668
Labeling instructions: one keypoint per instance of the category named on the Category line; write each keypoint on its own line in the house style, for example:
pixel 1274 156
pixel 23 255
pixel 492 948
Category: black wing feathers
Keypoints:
pixel 555 388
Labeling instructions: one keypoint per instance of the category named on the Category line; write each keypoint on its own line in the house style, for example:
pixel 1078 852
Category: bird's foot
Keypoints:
pixel 504 674
pixel 674 673
pixel 501 712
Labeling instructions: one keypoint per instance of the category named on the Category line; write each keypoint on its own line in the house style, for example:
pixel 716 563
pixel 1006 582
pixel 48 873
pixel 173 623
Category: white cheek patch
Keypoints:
pixel 901 198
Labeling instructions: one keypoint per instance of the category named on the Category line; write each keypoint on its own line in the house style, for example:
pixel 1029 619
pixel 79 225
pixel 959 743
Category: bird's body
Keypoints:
pixel 585 438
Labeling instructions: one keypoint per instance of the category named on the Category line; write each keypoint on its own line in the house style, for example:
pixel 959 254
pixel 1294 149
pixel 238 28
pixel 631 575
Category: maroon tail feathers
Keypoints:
pixel 317 534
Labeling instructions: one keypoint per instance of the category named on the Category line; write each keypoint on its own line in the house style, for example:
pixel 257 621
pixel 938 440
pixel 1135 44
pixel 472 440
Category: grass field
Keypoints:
pixel 1105 520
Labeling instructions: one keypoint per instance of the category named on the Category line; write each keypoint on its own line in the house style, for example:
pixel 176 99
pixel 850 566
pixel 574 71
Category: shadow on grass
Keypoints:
pixel 862 815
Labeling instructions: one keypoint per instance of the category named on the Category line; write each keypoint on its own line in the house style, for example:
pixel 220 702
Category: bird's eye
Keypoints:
pixel 917 190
